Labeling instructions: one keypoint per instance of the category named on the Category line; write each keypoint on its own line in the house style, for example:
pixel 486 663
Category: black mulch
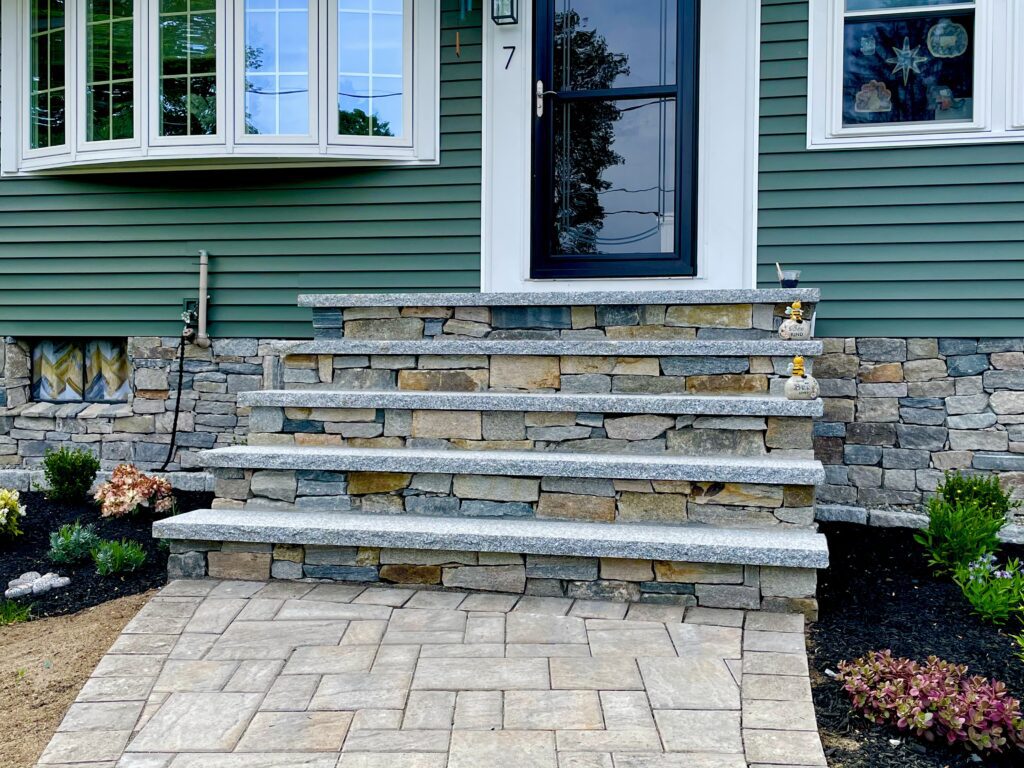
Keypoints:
pixel 878 594
pixel 28 552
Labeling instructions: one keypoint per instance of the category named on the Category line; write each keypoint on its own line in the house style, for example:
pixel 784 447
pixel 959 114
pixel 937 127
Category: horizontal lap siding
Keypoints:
pixel 902 242
pixel 115 254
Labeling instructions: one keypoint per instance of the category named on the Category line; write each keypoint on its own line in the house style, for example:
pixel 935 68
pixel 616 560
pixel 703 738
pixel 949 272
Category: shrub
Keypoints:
pixel 118 556
pixel 995 593
pixel 934 700
pixel 982 489
pixel 73 543
pixel 11 512
pixel 69 474
pixel 964 521
pixel 13 613
pixel 130 491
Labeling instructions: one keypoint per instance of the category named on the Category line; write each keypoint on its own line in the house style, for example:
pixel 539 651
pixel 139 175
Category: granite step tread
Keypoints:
pixel 699 405
pixel 561 298
pixel 556 347
pixel 725 469
pixel 699 544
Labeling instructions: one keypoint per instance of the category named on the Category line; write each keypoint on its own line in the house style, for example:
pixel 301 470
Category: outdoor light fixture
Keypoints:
pixel 505 11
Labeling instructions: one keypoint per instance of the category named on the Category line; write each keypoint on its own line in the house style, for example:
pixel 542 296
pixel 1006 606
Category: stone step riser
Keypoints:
pixel 696 375
pixel 631 321
pixel 526 498
pixel 750 587
pixel 529 431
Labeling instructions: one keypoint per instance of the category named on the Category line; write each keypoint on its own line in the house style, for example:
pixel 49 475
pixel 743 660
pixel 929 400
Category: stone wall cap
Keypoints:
pixel 725 469
pixel 561 298
pixel 555 347
pixel 701 544
pixel 702 405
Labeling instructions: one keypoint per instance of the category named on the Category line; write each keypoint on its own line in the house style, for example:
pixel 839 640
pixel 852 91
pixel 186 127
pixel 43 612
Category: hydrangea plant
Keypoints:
pixel 11 512
pixel 934 700
pixel 130 490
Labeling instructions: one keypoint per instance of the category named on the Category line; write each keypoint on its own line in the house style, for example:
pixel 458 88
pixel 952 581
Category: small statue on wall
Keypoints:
pixel 794 327
pixel 800 386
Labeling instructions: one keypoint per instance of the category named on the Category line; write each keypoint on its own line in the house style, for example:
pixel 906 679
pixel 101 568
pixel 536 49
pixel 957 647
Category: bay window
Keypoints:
pixel 191 83
pixel 914 72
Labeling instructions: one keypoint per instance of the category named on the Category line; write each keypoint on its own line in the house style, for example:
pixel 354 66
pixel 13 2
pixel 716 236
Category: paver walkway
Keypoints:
pixel 253 675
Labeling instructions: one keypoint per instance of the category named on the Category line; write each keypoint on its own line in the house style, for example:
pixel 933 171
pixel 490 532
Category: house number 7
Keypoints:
pixel 511 52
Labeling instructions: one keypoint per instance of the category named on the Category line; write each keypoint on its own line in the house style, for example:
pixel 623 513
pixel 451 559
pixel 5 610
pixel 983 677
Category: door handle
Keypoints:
pixel 540 94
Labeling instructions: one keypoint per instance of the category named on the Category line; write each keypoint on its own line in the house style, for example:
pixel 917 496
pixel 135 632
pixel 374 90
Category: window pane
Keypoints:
pixel 188 66
pixel 908 69
pixel 277 67
pixel 612 44
pixel 107 373
pixel 614 187
pixel 109 66
pixel 46 75
pixel 371 67
pixel 58 371
pixel 872 5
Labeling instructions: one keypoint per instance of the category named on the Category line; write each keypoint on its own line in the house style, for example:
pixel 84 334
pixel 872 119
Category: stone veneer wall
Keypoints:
pixel 900 412
pixel 706 584
pixel 139 430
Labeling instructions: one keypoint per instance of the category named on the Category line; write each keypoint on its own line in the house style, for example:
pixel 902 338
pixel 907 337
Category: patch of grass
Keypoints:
pixel 13 613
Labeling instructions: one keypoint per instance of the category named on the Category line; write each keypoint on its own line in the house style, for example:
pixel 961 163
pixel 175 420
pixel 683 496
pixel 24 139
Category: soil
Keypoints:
pixel 879 593
pixel 28 552
pixel 43 665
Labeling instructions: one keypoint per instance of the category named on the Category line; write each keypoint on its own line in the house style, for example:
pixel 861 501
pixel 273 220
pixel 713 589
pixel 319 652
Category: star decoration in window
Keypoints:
pixel 906 60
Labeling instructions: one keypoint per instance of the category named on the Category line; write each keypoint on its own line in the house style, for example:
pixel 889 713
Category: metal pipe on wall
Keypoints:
pixel 202 338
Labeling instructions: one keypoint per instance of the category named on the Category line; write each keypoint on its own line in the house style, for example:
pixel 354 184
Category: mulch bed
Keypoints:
pixel 28 552
pixel 878 594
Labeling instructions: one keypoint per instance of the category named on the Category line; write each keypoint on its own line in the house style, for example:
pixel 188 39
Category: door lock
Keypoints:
pixel 541 93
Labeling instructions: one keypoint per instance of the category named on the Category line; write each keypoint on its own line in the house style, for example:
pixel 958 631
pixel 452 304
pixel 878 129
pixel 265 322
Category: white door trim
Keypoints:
pixel 727 188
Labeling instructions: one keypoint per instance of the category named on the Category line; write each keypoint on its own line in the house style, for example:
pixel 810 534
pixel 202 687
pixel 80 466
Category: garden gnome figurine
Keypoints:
pixel 800 386
pixel 795 328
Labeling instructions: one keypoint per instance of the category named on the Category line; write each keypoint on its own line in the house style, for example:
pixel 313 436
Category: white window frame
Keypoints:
pixel 79 78
pixel 316 98
pixel 231 147
pixel 998 67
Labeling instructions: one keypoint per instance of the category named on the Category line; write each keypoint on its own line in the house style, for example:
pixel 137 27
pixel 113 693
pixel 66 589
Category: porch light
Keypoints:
pixel 505 11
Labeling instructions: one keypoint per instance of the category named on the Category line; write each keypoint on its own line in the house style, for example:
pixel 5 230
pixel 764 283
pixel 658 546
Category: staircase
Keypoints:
pixel 630 446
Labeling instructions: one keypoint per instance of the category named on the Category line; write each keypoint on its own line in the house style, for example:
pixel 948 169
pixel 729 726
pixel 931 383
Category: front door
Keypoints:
pixel 615 139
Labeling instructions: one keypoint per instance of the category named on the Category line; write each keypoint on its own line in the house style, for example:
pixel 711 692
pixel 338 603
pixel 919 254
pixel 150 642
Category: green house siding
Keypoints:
pixel 902 242
pixel 115 255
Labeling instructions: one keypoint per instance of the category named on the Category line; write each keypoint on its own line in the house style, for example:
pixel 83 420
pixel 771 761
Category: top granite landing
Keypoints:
pixel 560 298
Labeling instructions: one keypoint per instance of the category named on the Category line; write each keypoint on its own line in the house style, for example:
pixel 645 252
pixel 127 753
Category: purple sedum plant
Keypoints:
pixel 934 700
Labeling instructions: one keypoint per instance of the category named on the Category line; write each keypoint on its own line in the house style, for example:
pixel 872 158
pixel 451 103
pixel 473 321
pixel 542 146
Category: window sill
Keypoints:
pixel 210 158
pixel 894 141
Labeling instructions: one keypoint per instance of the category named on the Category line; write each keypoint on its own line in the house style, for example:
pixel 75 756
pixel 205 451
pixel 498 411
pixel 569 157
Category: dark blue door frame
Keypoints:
pixel 546 262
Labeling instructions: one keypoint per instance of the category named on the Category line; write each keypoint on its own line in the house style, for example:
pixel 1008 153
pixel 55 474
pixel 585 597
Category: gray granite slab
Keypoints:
pixel 725 469
pixel 561 298
pixel 554 347
pixel 716 405
pixel 703 544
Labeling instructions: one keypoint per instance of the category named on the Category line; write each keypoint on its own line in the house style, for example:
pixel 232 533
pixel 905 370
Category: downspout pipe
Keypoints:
pixel 202 337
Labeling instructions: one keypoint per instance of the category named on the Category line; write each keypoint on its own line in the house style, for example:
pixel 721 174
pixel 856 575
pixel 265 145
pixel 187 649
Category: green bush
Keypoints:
pixel 73 543
pixel 957 534
pixel 995 593
pixel 69 474
pixel 982 489
pixel 118 556
pixel 13 613
pixel 964 521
